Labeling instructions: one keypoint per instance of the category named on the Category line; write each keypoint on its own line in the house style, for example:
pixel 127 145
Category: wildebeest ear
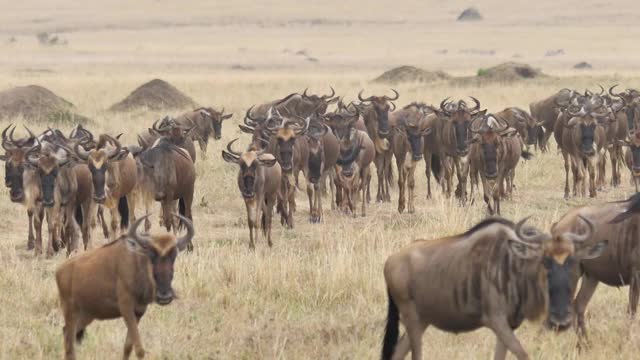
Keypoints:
pixel 481 113
pixel 267 160
pixel 225 117
pixel 122 155
pixel 427 131
pixel 572 122
pixel 523 250
pixel 591 251
pixel 334 100
pixel 228 157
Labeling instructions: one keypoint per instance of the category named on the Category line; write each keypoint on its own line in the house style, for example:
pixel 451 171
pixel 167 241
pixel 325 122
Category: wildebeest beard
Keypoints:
pixel 588 134
pixel 415 141
pixel 248 186
pixel 99 177
pixel 490 157
pixel 13 180
pixel 383 122
pixel 631 113
pixel 461 131
pixel 48 182
pixel 560 292
pixel 316 160
pixel 532 134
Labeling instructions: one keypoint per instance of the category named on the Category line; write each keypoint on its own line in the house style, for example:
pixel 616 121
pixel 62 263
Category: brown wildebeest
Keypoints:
pixel 581 141
pixel 631 98
pixel 294 104
pixel 205 122
pixel 524 123
pixel 454 140
pixel 167 174
pixel 259 181
pixel 632 157
pixel 291 149
pixel 353 170
pixel 66 189
pixel 495 275
pixel 546 111
pixel 114 173
pixel 119 279
pixel 20 181
pixel 619 265
pixel 375 113
pixel 410 129
pixel 177 134
pixel 323 155
pixel 494 154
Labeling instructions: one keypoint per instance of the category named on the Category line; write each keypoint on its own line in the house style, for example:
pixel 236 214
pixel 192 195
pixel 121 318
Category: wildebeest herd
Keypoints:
pixel 494 275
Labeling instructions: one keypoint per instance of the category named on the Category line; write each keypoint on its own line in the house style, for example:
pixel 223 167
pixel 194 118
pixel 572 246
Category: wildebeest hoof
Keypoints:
pixel 140 353
pixel 31 244
pixel 400 209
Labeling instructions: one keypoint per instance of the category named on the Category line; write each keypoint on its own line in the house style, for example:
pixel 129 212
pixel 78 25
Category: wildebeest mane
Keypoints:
pixel 633 209
pixel 486 222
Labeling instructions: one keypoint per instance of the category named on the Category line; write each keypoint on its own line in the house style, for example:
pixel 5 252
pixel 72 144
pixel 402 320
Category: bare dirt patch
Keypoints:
pixel 407 73
pixel 155 95
pixel 39 104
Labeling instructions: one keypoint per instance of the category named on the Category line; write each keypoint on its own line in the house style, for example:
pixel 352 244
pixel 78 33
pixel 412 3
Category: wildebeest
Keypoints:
pixel 632 157
pixel 119 279
pixel 495 275
pixel 167 174
pixel 619 224
pixel 631 98
pixel 205 122
pixel 176 133
pixel 409 132
pixel 353 170
pixel 66 190
pixel 20 180
pixel 259 181
pixel 454 137
pixel 323 154
pixel 114 174
pixel 524 123
pixel 545 112
pixel 295 104
pixel 375 113
pixel 494 154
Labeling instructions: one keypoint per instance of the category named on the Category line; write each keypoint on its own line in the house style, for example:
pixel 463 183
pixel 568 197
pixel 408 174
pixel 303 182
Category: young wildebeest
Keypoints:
pixel 206 122
pixel 114 173
pixel 353 169
pixel 524 123
pixel 408 140
pixel 19 179
pixel 494 275
pixel 259 182
pixel 119 279
pixel 494 153
pixel 632 157
pixel 619 265
pixel 166 173
pixel 545 112
pixel 375 112
pixel 323 154
pixel 67 191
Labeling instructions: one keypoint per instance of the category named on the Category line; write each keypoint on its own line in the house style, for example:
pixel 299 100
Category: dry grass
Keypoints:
pixel 319 292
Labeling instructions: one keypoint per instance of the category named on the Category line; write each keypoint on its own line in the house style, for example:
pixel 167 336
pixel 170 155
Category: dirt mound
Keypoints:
pixel 36 103
pixel 510 71
pixel 410 74
pixel 583 65
pixel 470 14
pixel 155 95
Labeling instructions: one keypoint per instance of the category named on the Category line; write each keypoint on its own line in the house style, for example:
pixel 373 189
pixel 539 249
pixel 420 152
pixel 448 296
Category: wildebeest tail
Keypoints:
pixel 633 209
pixel 78 215
pixel 436 166
pixel 80 336
pixel 390 173
pixel 391 331
pixel 123 210
pixel 182 210
pixel 263 223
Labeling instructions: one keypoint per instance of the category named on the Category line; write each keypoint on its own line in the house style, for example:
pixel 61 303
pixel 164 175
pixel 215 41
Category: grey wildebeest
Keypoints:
pixel 353 170
pixel 291 149
pixel 166 174
pixel 619 224
pixel 20 180
pixel 177 134
pixel 409 132
pixel 375 113
pixel 546 111
pixel 119 279
pixel 66 191
pixel 494 275
pixel 631 98
pixel 494 154
pixel 205 122
pixel 114 174
pixel 323 155
pixel 524 123
pixel 259 182
pixel 454 137
pixel 294 104
pixel 632 157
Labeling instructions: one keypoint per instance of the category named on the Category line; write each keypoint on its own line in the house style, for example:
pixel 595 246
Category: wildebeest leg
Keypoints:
pixel 487 194
pixel 103 222
pixel 545 140
pixel 30 239
pixel 310 195
pixel 87 213
pixel 128 315
pixel 388 171
pixel 37 223
pixel 501 350
pixel 613 154
pixel 379 161
pixel 415 329
pixel 576 176
pixel 115 221
pixel 411 182
pixel 565 157
pixel 72 229
pixel 332 185
pixel 318 202
pixel 634 291
pixel 268 214
pixel 51 224
pixel 427 163
pixel 69 330
pixel 591 167
pixel 587 289
pixel 401 184
pixel 292 206
pixel 505 335
pixel 601 168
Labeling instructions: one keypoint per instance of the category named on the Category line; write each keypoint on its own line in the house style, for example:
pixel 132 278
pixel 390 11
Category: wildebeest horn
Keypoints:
pixel 602 90
pixel 587 92
pixel 133 234
pixel 443 105
pixel 618 95
pixel 477 107
pixel 247 129
pixel 584 237
pixel 304 93
pixel 7 145
pixel 529 239
pixel 393 99
pixel 350 157
pixel 394 106
pixel 248 119
pixel 364 100
pixel 183 241
pixel 476 129
pixel 326 97
pixel 230 150
pixel 33 149
pixel 81 152
pixel 115 152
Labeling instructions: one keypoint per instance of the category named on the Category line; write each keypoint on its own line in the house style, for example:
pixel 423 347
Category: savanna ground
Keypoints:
pixel 319 292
